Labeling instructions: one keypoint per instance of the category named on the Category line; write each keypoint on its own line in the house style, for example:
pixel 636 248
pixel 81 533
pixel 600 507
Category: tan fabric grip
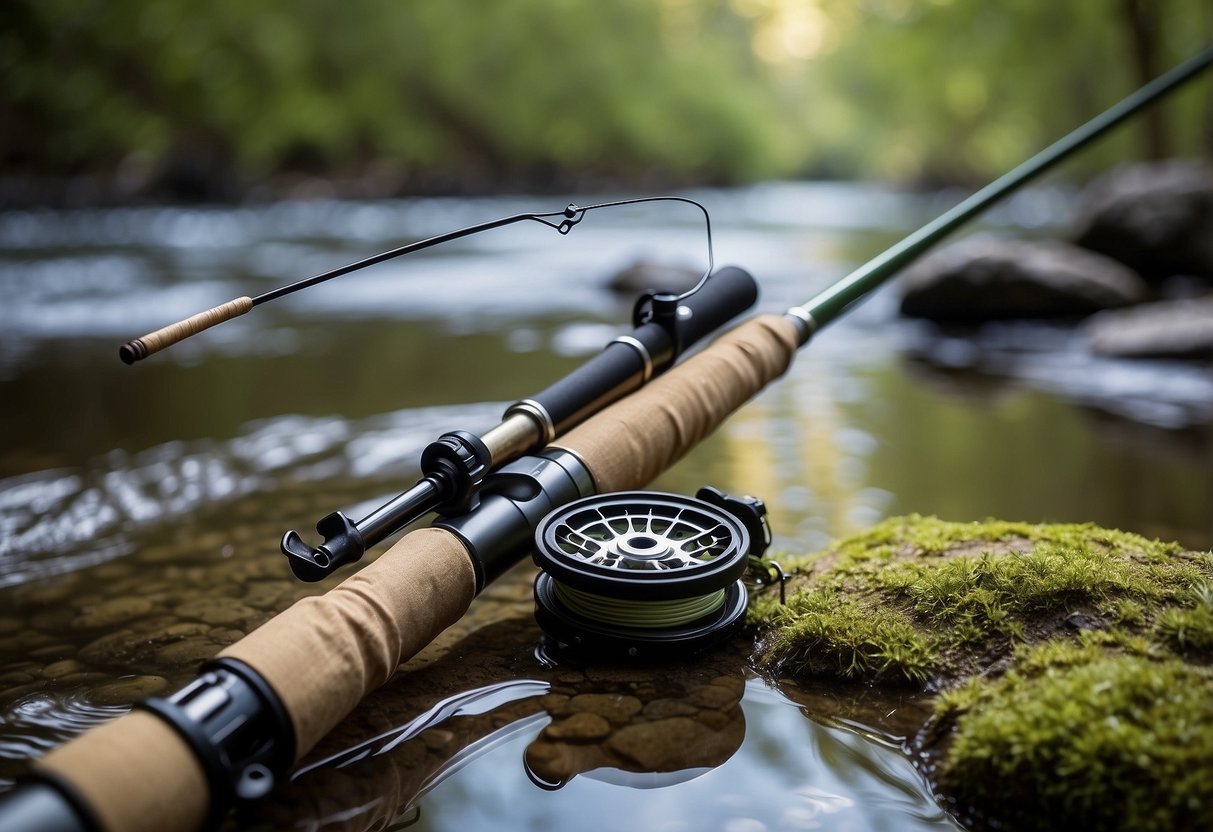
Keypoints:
pixel 136 774
pixel 631 442
pixel 325 653
pixel 141 348
pixel 321 656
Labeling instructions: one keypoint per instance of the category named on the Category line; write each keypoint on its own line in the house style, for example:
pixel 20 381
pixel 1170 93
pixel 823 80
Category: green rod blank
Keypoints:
pixel 835 300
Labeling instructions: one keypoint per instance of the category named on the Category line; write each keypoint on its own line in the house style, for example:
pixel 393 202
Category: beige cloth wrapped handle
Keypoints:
pixel 627 445
pixel 321 656
pixel 141 348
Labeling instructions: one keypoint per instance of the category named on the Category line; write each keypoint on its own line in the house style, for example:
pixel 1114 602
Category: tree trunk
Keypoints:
pixel 1144 25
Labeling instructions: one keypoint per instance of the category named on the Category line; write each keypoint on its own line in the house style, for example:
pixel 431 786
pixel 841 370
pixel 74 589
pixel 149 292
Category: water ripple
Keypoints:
pixel 59 520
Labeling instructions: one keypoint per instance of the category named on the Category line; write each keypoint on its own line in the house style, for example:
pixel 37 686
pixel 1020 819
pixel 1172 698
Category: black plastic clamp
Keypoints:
pixel 236 726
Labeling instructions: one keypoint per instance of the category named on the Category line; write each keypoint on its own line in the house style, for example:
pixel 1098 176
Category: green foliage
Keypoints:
pixel 501 89
pixel 1076 738
pixel 467 93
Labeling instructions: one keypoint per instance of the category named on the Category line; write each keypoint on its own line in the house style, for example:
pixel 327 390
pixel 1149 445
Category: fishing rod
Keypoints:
pixel 665 325
pixel 268 699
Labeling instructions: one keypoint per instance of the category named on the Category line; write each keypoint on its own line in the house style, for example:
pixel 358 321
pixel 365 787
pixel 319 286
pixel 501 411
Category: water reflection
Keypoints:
pixel 691 746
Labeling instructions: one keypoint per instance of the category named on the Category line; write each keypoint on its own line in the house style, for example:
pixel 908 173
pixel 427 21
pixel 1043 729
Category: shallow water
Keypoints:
pixel 140 507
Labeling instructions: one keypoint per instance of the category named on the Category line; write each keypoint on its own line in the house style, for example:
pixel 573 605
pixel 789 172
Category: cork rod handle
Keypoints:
pixel 141 348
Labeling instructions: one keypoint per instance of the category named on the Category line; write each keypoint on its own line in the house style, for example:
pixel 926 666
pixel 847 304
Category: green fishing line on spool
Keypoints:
pixel 642 614
pixel 640 574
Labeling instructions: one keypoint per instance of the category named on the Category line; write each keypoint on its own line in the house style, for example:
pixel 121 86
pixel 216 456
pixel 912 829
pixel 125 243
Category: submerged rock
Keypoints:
pixel 1043 724
pixel 988 278
pixel 1157 218
pixel 1180 329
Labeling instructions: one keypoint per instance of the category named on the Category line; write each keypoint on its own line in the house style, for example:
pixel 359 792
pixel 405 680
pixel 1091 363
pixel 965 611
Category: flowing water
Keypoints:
pixel 140 507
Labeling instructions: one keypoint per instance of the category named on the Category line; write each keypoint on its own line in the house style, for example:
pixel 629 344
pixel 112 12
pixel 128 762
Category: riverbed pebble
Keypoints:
pixel 127 691
pixel 580 727
pixel 112 612
pixel 217 611
pixel 613 707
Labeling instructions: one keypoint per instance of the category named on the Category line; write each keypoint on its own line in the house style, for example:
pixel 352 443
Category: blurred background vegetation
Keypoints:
pixel 213 99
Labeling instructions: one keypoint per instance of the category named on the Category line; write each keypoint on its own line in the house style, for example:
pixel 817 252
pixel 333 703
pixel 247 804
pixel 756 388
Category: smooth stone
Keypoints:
pixel 10 625
pixel 715 697
pixel 666 708
pixel 985 278
pixel 216 611
pixel 267 595
pixel 15 677
pixel 127 691
pixel 226 635
pixel 186 653
pixel 436 739
pixel 1155 217
pixel 53 651
pixel 610 706
pixel 661 745
pixel 110 648
pixel 188 628
pixel 580 727
pixel 1174 329
pixel 112 612
pixel 556 704
pixel 54 619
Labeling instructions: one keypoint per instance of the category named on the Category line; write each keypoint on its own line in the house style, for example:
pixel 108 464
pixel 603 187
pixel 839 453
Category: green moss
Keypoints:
pixel 1077 737
pixel 1189 630
pixel 918 599
pixel 1075 662
pixel 825 633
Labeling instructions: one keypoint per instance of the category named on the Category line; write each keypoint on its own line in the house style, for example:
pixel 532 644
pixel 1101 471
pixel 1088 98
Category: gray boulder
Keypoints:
pixel 988 278
pixel 1156 218
pixel 1181 329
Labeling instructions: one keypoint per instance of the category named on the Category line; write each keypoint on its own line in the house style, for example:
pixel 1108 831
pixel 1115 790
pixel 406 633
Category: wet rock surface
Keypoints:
pixel 1175 329
pixel 988 278
pixel 1156 218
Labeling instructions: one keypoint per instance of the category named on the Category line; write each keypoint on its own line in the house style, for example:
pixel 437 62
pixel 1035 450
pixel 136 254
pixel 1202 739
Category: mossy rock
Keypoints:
pixel 1072 663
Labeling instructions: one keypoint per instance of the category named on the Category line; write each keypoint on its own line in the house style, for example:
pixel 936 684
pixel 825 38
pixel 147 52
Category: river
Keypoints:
pixel 140 507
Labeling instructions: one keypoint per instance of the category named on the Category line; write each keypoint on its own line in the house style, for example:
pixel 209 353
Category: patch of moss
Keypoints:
pixel 826 633
pixel 1189 630
pixel 919 599
pixel 1075 660
pixel 1075 737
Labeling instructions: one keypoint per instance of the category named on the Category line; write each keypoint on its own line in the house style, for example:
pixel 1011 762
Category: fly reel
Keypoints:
pixel 646 575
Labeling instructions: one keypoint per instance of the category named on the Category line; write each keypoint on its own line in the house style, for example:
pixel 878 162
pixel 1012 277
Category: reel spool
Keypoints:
pixel 644 574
